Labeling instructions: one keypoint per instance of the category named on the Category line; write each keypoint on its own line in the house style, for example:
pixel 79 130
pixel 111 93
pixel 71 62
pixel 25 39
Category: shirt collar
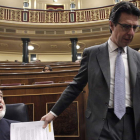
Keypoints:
pixel 112 46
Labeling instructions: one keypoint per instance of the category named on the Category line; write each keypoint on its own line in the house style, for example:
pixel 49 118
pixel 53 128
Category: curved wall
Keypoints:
pixel 37 4
pixel 41 4
pixel 95 3
pixel 12 56
pixel 12 3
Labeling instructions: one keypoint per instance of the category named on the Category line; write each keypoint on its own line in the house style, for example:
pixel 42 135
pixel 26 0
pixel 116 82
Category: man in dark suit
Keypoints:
pixel 108 116
pixel 4 123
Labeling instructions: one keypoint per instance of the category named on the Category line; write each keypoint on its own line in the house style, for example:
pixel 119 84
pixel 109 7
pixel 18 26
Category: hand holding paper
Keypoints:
pixel 47 119
pixel 31 131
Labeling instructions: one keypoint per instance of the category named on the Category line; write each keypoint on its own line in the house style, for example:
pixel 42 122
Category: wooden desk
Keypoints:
pixel 21 66
pixel 11 70
pixel 30 81
pixel 34 65
pixel 70 125
pixel 38 74
pixel 36 69
pixel 57 68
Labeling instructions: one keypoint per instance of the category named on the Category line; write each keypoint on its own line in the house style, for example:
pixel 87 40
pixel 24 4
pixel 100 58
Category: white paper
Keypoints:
pixel 31 131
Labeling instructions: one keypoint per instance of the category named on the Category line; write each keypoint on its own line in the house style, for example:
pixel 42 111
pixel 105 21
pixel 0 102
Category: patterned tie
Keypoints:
pixel 119 92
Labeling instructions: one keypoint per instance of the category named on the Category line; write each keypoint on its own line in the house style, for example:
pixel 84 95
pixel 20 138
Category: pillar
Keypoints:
pixel 25 57
pixel 74 50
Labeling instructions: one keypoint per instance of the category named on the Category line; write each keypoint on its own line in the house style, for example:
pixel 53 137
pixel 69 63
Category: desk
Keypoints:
pixel 41 98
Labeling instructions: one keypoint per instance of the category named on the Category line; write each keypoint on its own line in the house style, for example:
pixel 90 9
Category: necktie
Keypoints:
pixel 119 91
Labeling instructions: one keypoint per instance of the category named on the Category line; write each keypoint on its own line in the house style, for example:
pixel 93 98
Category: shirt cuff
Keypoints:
pixel 53 114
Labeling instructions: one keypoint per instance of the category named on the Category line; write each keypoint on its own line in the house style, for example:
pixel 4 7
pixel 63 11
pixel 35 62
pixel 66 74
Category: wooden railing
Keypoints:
pixel 47 16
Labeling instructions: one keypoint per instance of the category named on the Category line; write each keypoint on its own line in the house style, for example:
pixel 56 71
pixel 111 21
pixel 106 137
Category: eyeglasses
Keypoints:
pixel 127 27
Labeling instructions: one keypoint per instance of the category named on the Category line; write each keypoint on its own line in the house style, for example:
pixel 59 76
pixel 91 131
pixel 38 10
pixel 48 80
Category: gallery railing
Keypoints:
pixel 49 16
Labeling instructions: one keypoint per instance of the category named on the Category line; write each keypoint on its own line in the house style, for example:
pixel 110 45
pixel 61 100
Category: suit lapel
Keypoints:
pixel 103 59
pixel 132 67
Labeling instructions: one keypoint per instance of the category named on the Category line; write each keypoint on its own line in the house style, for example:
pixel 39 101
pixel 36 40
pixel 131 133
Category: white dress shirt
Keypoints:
pixel 112 48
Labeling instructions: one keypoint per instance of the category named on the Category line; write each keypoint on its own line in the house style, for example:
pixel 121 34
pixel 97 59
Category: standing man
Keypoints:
pixel 110 70
pixel 4 123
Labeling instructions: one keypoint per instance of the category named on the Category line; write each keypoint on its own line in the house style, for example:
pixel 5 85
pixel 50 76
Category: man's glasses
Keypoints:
pixel 127 27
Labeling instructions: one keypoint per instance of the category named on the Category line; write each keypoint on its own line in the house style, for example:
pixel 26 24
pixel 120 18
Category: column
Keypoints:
pixel 74 50
pixel 25 50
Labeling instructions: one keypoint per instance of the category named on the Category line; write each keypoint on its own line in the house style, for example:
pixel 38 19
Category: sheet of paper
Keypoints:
pixel 31 131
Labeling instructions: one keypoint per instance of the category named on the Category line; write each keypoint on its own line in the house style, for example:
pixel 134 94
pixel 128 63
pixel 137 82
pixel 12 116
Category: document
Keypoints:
pixel 31 131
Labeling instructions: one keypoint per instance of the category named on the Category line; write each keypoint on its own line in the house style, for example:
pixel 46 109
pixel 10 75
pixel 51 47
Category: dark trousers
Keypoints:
pixel 115 129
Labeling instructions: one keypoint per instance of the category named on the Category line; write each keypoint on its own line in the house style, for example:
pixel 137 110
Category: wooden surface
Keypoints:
pixel 39 97
pixel 36 69
pixel 70 125
pixel 33 65
pixel 30 81
pixel 38 74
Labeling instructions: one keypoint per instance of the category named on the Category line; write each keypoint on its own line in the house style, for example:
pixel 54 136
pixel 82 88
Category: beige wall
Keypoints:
pixel 12 3
pixel 41 4
pixel 37 4
pixel 43 57
pixel 10 56
pixel 54 57
pixel 95 3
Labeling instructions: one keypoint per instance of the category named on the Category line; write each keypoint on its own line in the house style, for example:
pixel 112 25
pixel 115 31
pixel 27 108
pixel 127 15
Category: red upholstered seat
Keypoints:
pixel 12 84
pixel 44 82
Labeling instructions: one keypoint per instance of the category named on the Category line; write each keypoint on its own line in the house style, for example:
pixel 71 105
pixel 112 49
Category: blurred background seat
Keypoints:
pixel 43 82
pixel 17 112
pixel 12 84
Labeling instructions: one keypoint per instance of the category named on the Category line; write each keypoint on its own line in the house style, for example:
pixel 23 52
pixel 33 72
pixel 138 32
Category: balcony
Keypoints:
pixel 50 31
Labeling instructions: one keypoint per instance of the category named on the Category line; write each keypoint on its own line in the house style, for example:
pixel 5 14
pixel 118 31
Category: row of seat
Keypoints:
pixel 40 96
pixel 35 83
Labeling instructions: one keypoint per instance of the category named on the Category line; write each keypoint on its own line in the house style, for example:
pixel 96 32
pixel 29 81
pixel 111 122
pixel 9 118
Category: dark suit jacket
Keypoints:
pixel 5 128
pixel 95 69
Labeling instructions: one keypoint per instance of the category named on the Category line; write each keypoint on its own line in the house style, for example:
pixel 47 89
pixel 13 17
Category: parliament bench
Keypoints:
pixel 14 70
pixel 29 81
pixel 36 69
pixel 41 98
pixel 38 74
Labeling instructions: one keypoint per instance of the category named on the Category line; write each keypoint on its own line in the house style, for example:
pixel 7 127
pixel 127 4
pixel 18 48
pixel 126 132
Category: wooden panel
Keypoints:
pixel 40 67
pixel 21 66
pixel 38 74
pixel 69 121
pixel 37 96
pixel 30 108
pixel 34 94
pixel 36 69
pixel 30 81
pixel 65 68
pixel 37 63
pixel 8 70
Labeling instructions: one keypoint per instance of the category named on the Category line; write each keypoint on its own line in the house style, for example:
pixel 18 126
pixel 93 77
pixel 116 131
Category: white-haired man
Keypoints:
pixel 4 123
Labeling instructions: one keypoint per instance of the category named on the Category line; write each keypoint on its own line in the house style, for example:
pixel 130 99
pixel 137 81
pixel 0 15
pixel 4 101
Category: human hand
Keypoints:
pixel 47 119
